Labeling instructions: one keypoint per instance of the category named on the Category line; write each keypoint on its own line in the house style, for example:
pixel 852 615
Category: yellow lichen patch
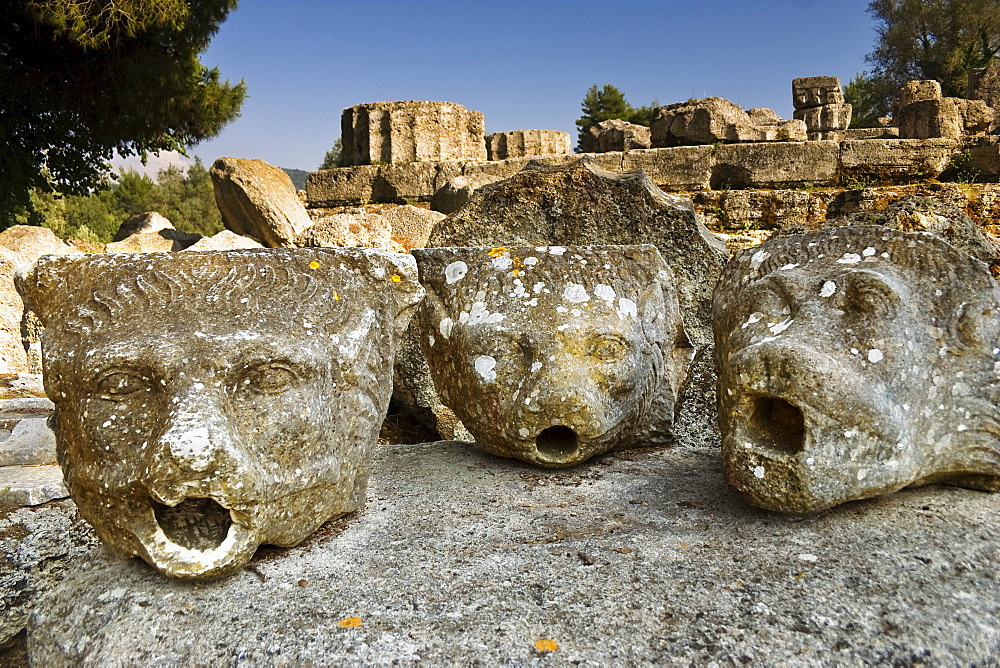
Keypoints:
pixel 498 251
pixel 396 278
pixel 314 265
pixel 516 272
pixel 349 622
pixel 335 295
pixel 546 645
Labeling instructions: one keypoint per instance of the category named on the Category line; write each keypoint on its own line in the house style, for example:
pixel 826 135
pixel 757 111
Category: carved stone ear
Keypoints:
pixel 36 284
pixel 976 327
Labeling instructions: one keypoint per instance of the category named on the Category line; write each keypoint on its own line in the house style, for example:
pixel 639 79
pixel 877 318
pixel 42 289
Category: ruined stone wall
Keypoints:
pixel 526 143
pixel 411 131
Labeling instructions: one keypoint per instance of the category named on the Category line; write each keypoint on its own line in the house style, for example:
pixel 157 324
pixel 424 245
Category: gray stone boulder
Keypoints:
pixel 20 246
pixel 142 223
pixel 259 201
pixel 714 120
pixel 31 443
pixel 457 192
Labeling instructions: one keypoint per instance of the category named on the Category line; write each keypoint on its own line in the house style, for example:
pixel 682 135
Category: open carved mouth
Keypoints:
pixel 195 524
pixel 557 444
pixel 777 425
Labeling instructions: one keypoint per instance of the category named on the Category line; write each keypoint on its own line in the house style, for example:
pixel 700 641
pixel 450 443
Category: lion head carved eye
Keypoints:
pixel 607 348
pixel 269 378
pixel 869 296
pixel 118 384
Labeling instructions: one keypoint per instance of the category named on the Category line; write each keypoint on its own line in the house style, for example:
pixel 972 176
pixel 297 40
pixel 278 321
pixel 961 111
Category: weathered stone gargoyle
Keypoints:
pixel 554 354
pixel 856 361
pixel 206 403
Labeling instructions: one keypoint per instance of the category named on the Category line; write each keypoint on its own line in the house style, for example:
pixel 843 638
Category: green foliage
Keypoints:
pixel 186 200
pixel 866 95
pixel 298 177
pixel 925 39
pixel 83 79
pixel 332 158
pixel 605 104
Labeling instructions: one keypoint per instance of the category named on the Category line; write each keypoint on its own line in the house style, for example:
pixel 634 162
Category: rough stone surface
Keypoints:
pixel 984 84
pixel 774 165
pixel 930 119
pixel 31 443
pixel 258 200
pixel 616 135
pixel 382 183
pixel 640 558
pixel 810 92
pixel 554 354
pixel 706 121
pixel 977 118
pixel 526 143
pixel 350 230
pixel 206 403
pixel 677 168
pixel 918 91
pixel 154 242
pixel 31 485
pixel 879 161
pixel 823 121
pixel 224 240
pixel 853 362
pixel 38 546
pixel 411 131
pixel 21 245
pixel 456 193
pixel 764 116
pixel 411 226
pixel 583 205
pixel 142 223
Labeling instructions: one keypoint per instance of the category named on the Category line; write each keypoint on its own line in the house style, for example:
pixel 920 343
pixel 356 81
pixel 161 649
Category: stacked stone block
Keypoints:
pixel 922 113
pixel 411 131
pixel 819 103
pixel 615 135
pixel 526 143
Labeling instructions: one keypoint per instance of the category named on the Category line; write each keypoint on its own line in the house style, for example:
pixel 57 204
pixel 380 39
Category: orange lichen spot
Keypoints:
pixel 349 622
pixel 683 547
pixel 799 576
pixel 314 265
pixel 396 278
pixel 546 645
pixel 516 272
pixel 498 251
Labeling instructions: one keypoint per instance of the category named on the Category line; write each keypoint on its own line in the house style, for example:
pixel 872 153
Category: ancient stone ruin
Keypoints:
pixel 856 361
pixel 554 354
pixel 522 143
pixel 615 135
pixel 922 113
pixel 715 120
pixel 412 131
pixel 206 403
pixel 819 103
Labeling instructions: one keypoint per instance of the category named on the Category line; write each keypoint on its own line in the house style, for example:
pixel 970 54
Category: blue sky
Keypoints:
pixel 523 64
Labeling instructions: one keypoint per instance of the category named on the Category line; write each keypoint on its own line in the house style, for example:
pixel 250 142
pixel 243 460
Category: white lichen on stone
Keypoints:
pixel 576 293
pixel 486 368
pixel 455 271
pixel 829 287
pixel 627 308
pixel 605 292
pixel 849 258
pixel 875 355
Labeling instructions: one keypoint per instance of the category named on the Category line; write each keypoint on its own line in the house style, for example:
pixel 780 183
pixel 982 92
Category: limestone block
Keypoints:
pixel 984 84
pixel 763 116
pixel 210 402
pixel 154 242
pixel 977 118
pixel 526 143
pixel 20 246
pixel 31 485
pixel 675 168
pixel 224 240
pixel 142 223
pixel 350 230
pixel 258 200
pixel 793 130
pixel 856 361
pixel 616 135
pixel 378 183
pixel 411 226
pixel 827 118
pixel 705 121
pixel 31 443
pixel 931 119
pixel 554 354
pixel 918 91
pixel 895 160
pixel 411 131
pixel 810 92
pixel 774 165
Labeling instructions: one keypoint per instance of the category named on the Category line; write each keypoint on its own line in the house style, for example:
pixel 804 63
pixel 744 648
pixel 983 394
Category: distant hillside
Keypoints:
pixel 298 177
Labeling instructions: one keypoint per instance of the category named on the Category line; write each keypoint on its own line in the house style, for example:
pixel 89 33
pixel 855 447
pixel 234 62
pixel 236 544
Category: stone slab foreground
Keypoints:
pixel 636 557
